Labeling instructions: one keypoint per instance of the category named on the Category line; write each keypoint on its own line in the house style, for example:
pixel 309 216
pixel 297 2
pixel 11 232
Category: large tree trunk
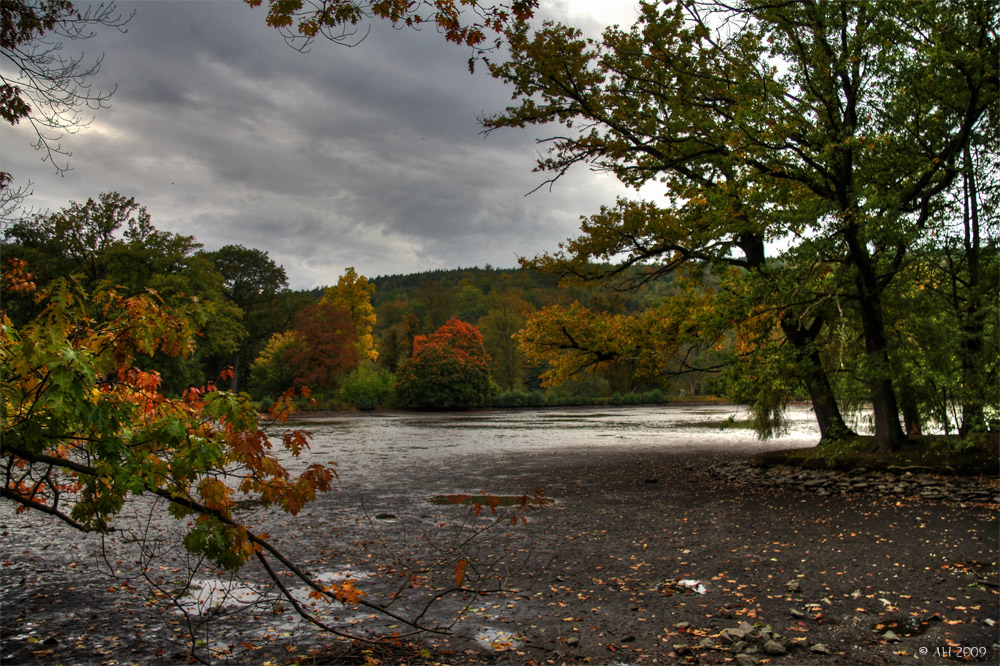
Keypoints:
pixel 828 416
pixel 971 326
pixel 889 434
pixel 911 415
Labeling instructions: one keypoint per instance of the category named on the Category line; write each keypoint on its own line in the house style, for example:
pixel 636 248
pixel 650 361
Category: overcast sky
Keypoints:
pixel 369 157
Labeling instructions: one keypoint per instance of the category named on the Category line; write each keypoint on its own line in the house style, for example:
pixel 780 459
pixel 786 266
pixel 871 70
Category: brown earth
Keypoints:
pixel 604 578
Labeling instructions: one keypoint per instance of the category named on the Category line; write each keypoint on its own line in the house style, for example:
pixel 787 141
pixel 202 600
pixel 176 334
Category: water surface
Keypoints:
pixel 370 442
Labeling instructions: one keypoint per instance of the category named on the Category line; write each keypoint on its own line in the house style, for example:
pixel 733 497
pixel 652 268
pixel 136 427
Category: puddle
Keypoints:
pixel 501 500
pixel 346 574
pixel 681 586
pixel 498 639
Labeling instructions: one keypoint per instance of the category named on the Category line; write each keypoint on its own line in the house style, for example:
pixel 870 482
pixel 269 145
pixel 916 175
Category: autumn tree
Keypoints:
pixel 353 293
pixel 85 427
pixel 270 374
pixel 449 369
pixel 835 127
pixel 324 346
pixel 111 239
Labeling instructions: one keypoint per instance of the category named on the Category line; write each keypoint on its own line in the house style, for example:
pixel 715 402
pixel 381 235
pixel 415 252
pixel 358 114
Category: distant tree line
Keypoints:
pixel 352 343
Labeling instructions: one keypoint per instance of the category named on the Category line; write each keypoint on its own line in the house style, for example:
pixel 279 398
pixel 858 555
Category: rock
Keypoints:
pixel 795 612
pixel 745 660
pixel 990 622
pixel 793 586
pixel 682 649
pixel 706 643
pixel 820 648
pixel 890 636
pixel 682 625
pixel 746 628
pixel 774 648
pixel 727 637
pixel 572 641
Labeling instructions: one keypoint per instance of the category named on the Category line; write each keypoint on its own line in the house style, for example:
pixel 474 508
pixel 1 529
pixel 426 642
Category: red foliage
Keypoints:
pixel 325 346
pixel 461 340
pixel 449 369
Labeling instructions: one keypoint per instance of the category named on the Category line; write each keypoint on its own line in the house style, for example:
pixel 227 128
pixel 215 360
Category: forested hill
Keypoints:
pixel 466 292
pixel 487 280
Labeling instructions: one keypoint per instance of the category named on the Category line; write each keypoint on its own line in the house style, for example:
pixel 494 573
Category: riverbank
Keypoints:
pixel 648 555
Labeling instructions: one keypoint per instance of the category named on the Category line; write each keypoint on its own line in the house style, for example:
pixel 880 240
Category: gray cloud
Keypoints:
pixel 369 157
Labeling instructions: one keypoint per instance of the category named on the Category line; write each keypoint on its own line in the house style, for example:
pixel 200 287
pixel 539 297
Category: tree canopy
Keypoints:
pixel 80 416
pixel 449 369
pixel 837 129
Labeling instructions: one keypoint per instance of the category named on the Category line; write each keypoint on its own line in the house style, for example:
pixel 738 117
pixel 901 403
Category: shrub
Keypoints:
pixel 519 399
pixel 447 370
pixel 630 398
pixel 654 397
pixel 367 387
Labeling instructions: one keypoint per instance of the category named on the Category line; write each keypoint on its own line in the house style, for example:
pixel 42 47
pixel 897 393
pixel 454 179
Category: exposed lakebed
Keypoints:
pixel 640 548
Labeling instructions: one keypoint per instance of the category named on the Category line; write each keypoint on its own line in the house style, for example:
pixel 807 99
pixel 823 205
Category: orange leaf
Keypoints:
pixel 460 572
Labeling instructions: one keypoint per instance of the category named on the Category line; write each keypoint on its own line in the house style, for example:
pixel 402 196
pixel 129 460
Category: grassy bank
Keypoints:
pixel 935 454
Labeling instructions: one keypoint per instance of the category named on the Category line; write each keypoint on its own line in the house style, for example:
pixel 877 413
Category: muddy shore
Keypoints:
pixel 645 556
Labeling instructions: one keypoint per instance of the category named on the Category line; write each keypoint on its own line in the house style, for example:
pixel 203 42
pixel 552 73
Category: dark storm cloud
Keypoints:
pixel 369 157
